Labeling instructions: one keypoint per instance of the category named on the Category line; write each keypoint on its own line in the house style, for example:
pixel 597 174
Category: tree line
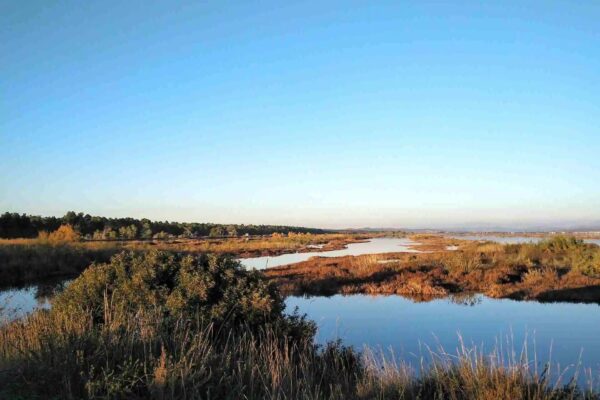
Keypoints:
pixel 15 225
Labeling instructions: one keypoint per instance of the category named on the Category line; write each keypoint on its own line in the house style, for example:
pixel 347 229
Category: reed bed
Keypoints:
pixel 71 359
pixel 469 373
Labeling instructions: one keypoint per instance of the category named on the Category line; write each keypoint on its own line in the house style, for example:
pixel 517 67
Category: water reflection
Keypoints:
pixel 466 299
pixel 17 302
pixel 557 331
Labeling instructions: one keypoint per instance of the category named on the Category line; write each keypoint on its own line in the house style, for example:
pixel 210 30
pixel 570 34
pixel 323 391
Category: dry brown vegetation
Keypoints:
pixel 63 253
pixel 253 246
pixel 272 245
pixel 430 242
pixel 64 234
pixel 560 269
pixel 27 261
pixel 576 234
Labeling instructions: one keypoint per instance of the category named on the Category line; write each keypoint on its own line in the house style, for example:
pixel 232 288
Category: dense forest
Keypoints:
pixel 14 225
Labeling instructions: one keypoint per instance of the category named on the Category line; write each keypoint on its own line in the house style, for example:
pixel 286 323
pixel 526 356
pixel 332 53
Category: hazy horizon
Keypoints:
pixel 336 115
pixel 475 226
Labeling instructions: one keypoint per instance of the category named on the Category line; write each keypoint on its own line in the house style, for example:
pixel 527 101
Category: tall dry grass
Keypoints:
pixel 468 374
pixel 273 244
pixel 76 359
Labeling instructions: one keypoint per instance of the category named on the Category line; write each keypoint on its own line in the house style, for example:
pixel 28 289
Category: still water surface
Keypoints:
pixel 373 246
pixel 16 302
pixel 557 331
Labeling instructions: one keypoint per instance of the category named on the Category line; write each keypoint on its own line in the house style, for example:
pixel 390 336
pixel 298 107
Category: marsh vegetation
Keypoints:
pixel 179 318
pixel 167 325
pixel 64 251
pixel 560 268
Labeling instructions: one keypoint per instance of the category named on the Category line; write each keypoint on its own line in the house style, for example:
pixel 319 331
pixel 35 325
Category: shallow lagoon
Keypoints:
pixel 559 332
pixel 372 246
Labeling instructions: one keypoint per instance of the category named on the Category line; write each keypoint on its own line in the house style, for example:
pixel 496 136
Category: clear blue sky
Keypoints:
pixel 334 114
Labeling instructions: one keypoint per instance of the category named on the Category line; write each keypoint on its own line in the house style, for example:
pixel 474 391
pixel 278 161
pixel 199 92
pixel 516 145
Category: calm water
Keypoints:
pixel 397 324
pixel 17 302
pixel 373 246
pixel 511 239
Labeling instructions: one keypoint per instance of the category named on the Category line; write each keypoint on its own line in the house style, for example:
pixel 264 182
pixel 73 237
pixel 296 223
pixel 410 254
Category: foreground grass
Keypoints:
pixel 160 325
pixel 559 269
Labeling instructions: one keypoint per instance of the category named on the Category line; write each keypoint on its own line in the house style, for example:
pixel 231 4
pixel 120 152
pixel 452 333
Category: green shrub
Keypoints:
pixel 561 243
pixel 209 287
pixel 587 261
pixel 156 322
